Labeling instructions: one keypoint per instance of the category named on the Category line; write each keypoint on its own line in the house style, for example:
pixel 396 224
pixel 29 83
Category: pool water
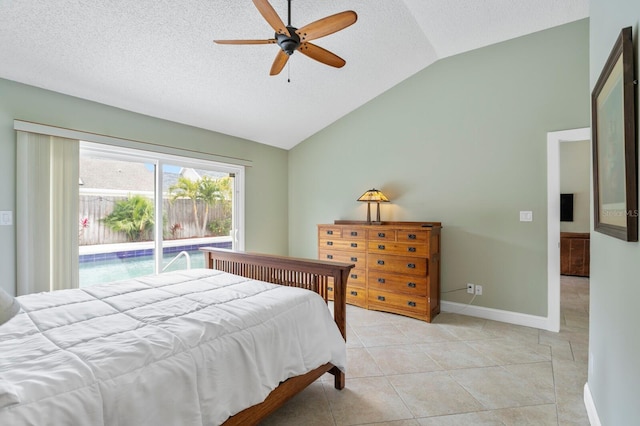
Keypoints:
pixel 99 272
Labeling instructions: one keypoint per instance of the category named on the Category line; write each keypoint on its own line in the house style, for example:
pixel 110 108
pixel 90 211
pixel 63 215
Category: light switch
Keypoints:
pixel 526 216
pixel 6 218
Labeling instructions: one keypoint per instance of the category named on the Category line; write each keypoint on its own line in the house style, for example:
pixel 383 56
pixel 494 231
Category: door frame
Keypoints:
pixel 554 139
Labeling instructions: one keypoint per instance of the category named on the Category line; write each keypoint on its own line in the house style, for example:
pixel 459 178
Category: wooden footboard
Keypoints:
pixel 310 274
pixel 315 275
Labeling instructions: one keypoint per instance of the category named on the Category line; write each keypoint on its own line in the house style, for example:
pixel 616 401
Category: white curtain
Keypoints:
pixel 46 212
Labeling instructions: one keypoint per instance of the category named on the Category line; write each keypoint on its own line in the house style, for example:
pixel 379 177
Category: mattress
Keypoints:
pixel 181 348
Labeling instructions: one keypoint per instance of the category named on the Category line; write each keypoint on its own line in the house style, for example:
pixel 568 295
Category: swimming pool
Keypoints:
pixel 121 268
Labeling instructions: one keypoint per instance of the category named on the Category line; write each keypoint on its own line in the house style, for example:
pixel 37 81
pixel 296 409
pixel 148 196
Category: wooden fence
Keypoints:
pixel 178 221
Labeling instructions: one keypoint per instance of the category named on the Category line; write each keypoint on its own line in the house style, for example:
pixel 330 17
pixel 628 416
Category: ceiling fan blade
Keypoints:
pixel 270 15
pixel 279 62
pixel 271 41
pixel 321 55
pixel 328 25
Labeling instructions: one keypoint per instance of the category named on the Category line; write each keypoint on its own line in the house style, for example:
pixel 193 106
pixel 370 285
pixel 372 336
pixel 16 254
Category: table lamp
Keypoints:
pixel 376 196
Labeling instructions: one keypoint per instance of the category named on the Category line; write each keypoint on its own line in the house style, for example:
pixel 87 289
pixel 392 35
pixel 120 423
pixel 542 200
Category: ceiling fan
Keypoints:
pixel 291 39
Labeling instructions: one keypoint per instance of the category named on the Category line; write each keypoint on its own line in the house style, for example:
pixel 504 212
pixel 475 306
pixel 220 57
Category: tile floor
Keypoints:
pixel 459 370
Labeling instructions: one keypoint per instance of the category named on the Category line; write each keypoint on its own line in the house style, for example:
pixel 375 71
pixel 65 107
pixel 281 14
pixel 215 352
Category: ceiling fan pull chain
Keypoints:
pixel 289 70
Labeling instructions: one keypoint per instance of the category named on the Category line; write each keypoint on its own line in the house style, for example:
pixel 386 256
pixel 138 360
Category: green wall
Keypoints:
pixel 575 178
pixel 266 181
pixel 462 142
pixel 614 339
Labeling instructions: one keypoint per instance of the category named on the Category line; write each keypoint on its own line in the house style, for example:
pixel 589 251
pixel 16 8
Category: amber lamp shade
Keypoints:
pixel 375 196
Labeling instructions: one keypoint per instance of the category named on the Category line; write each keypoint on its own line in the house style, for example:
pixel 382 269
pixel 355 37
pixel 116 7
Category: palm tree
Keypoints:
pixel 210 191
pixel 133 216
pixel 187 188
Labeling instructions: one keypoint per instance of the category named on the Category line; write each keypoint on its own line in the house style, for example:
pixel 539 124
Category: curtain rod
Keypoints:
pixel 30 126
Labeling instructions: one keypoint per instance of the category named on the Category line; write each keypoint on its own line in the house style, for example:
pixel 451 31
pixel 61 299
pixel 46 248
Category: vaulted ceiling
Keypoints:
pixel 157 57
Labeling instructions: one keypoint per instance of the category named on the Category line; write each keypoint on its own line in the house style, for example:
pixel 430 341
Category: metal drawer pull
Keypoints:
pixel 329 243
pixel 380 246
pixel 381 298
pixel 411 285
pixel 354 293
pixel 354 233
pixel 329 232
pixel 354 276
pixel 381 280
pixel 354 244
pixel 330 288
pixel 354 259
pixel 412 304
pixel 412 236
pixel 380 262
pixel 329 256
pixel 381 234
pixel 411 265
pixel 412 249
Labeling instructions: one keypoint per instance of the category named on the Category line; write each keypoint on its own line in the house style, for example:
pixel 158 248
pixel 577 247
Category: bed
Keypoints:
pixel 227 344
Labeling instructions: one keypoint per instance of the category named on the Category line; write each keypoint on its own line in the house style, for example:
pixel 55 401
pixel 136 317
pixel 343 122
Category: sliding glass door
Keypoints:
pixel 143 213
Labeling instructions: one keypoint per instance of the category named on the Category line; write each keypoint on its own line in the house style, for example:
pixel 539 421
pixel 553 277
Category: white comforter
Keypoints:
pixel 183 348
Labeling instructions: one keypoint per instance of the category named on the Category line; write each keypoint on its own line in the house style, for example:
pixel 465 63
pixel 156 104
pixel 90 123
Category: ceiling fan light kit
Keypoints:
pixel 288 43
pixel 291 39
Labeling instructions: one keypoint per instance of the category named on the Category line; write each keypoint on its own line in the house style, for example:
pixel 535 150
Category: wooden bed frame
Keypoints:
pixel 310 274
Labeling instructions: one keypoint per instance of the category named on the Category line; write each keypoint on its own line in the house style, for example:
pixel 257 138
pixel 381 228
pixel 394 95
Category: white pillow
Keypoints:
pixel 9 306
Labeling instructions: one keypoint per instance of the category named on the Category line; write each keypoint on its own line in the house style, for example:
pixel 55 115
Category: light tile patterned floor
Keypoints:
pixel 459 370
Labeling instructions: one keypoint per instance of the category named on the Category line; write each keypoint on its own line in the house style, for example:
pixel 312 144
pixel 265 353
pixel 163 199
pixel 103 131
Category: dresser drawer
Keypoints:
pixel 381 235
pixel 397 264
pixel 357 296
pixel 402 302
pixel 417 249
pixel 379 281
pixel 413 236
pixel 338 244
pixel 360 259
pixel 328 231
pixel 354 233
pixel 357 277
pixel 358 288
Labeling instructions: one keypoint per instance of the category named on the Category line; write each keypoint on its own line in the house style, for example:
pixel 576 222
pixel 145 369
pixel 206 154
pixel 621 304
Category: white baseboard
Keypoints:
pixel 497 315
pixel 591 407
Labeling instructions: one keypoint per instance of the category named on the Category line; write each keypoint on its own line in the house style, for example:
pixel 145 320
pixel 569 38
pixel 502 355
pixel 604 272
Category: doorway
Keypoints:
pixel 554 139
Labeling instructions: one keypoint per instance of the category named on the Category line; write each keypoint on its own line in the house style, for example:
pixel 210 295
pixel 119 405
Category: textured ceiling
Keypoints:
pixel 156 57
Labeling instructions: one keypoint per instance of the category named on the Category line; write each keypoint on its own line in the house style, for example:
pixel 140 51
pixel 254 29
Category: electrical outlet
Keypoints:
pixel 526 216
pixel 478 290
pixel 471 288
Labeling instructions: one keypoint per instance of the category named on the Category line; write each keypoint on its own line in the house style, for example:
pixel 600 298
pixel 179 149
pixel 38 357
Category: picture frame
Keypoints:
pixel 615 176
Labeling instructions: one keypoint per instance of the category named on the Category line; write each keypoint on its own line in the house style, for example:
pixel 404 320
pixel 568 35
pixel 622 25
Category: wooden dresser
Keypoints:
pixel 397 264
pixel 574 254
